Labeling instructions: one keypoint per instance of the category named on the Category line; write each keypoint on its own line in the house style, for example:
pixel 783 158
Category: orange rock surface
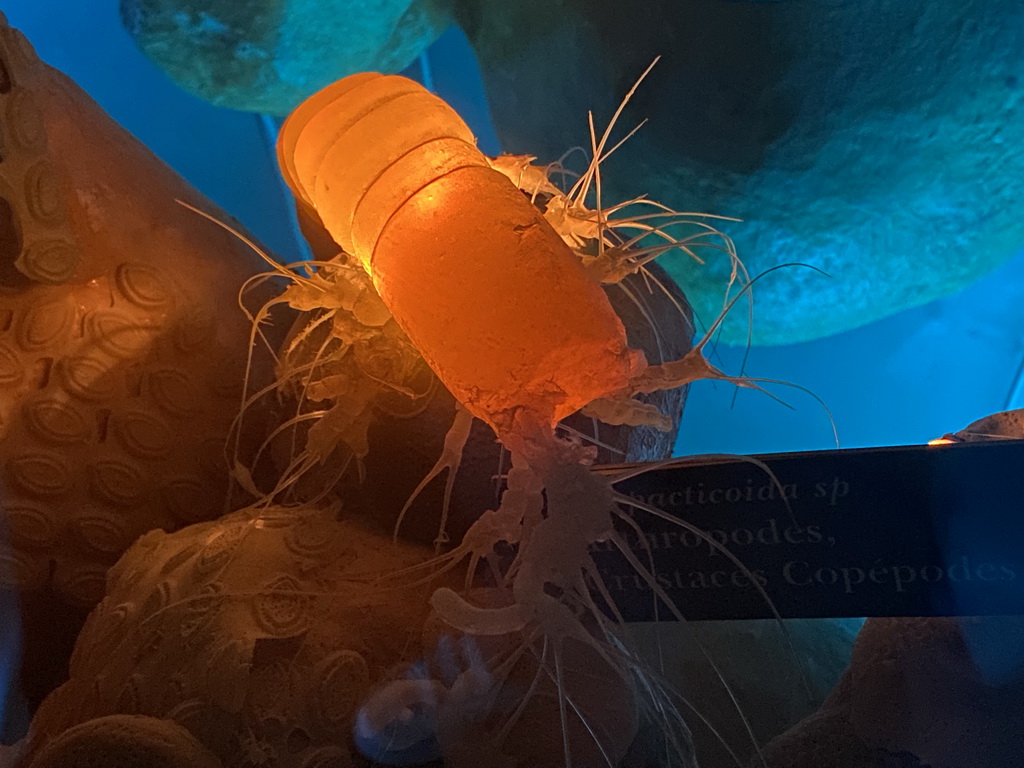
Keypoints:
pixel 121 357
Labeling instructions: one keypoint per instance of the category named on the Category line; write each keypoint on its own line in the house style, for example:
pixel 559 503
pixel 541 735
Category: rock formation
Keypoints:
pixel 949 692
pixel 267 56
pixel 260 634
pixel 879 142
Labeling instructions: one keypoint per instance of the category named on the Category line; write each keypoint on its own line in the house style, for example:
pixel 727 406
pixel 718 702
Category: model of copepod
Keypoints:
pixel 493 274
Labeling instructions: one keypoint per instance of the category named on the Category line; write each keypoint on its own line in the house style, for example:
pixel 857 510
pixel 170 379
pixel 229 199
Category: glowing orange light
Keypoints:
pixel 941 441
pixel 498 305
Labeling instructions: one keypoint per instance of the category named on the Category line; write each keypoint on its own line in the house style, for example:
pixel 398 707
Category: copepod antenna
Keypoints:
pixel 451 458
pixel 582 186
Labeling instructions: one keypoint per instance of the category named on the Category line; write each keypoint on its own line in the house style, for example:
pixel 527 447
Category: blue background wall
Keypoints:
pixel 903 380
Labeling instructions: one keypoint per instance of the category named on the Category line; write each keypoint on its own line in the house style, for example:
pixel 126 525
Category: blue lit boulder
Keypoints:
pixel 880 142
pixel 268 55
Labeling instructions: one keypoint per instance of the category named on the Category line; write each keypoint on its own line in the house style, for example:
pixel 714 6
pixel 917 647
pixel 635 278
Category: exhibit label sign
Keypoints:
pixel 905 531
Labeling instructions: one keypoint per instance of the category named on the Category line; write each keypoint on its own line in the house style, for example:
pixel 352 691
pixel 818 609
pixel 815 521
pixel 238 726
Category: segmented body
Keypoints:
pixel 466 264
pixel 510 315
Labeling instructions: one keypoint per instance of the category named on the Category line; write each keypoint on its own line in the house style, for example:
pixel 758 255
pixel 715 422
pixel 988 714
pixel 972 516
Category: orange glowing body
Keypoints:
pixel 499 306
pixel 508 317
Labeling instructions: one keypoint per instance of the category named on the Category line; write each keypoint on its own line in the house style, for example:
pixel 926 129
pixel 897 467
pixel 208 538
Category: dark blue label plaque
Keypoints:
pixel 908 531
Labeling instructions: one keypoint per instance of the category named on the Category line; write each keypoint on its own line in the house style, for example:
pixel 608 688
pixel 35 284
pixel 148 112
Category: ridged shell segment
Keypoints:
pixel 360 148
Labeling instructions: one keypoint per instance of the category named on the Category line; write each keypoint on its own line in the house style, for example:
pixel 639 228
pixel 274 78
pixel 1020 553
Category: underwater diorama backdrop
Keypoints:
pixel 874 152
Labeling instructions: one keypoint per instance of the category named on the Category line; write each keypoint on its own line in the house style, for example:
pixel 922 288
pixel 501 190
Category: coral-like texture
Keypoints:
pixel 120 371
pixel 261 635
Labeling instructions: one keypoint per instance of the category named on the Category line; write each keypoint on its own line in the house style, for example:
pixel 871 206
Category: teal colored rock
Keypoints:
pixel 268 55
pixel 880 142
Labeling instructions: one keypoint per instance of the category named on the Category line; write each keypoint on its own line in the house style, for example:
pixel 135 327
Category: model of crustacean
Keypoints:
pixel 494 275
pixel 113 360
